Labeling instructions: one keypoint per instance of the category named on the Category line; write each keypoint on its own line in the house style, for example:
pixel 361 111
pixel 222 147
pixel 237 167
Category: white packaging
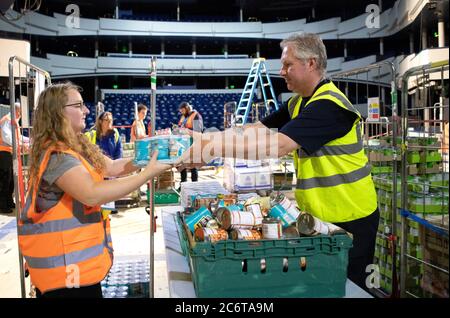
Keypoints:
pixel 253 163
pixel 263 178
pixel 201 187
pixel 245 181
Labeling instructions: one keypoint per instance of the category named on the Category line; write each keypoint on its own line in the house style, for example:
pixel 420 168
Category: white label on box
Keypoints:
pixel 245 180
pixel 262 179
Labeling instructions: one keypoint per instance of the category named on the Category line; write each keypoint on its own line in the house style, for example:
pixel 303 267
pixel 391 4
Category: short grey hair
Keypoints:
pixel 308 45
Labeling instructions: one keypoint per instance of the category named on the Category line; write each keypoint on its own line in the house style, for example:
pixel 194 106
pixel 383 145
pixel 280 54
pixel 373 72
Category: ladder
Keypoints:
pixel 258 74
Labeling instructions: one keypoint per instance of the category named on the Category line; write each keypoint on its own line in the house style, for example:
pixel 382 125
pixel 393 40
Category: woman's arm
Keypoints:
pixel 78 183
pixel 119 167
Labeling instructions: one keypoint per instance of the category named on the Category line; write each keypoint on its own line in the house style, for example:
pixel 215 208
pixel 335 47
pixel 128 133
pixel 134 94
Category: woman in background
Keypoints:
pixel 105 136
pixel 108 139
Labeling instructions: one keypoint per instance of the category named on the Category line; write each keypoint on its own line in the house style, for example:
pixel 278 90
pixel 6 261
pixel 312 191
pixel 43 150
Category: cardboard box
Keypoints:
pixel 236 179
pixel 435 251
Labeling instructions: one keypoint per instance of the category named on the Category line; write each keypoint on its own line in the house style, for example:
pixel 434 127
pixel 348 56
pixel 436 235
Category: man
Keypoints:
pixel 6 165
pixel 323 129
pixel 192 120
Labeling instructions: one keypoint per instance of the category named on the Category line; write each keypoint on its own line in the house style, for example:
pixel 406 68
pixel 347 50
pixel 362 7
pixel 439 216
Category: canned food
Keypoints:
pixel 220 210
pixel 210 235
pixel 239 220
pixel 198 218
pixel 212 224
pixel 245 234
pixel 264 203
pixel 255 208
pixel 276 198
pixel 271 228
pixel 215 205
pixel 228 199
pixel 308 224
pixel 204 201
pixel 287 217
pixel 291 231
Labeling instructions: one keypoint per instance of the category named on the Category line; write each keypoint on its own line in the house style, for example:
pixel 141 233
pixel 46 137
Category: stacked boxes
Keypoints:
pixel 381 156
pixel 427 196
pixel 128 150
pixel 247 175
pixel 435 251
pixel 165 181
pixel 428 199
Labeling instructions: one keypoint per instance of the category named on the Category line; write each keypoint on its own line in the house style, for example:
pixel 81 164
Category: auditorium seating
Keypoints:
pixel 210 106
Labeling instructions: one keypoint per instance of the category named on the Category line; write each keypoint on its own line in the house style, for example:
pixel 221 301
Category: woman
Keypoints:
pixel 138 127
pixel 105 136
pixel 63 236
pixel 108 139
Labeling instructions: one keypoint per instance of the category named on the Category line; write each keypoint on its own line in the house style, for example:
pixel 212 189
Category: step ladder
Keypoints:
pixel 258 74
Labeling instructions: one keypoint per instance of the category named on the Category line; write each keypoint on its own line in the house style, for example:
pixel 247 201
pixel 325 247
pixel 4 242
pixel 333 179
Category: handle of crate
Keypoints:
pixel 181 235
pixel 274 248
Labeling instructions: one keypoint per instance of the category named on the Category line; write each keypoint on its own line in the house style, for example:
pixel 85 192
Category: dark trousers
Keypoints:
pixel 194 175
pixel 364 232
pixel 6 180
pixel 93 291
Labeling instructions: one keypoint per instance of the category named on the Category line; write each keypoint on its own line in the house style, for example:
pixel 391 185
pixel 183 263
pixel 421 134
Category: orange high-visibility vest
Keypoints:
pixel 68 245
pixel 189 122
pixel 3 145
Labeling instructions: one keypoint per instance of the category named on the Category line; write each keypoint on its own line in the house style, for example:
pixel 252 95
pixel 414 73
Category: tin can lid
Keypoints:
pixel 305 224
pixel 271 220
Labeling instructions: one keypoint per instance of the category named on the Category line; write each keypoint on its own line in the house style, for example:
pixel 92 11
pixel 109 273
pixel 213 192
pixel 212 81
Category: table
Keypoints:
pixel 179 272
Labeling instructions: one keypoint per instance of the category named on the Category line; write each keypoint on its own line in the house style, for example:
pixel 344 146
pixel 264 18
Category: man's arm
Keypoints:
pixel 6 132
pixel 7 136
pixel 252 142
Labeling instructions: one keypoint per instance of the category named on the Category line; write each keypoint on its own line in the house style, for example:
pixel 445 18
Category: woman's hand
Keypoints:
pixel 154 168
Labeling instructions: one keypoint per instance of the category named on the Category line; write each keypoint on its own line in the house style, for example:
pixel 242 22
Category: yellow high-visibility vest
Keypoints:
pixel 92 135
pixel 334 183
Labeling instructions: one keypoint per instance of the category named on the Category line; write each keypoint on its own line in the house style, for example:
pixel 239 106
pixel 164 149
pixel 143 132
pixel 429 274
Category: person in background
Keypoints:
pixel 105 136
pixel 190 120
pixel 6 164
pixel 108 139
pixel 62 233
pixel 322 129
pixel 138 127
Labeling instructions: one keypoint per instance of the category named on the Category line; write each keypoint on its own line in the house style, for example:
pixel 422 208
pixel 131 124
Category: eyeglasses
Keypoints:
pixel 76 105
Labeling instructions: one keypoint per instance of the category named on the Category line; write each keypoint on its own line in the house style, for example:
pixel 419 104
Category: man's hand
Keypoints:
pixel 186 160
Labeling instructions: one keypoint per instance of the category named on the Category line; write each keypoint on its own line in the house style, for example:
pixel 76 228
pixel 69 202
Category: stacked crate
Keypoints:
pixel 128 149
pixel 165 181
pixel 381 157
pixel 427 198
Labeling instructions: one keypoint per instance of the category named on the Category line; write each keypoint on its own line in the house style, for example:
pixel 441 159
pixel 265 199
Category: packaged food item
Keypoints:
pixel 170 148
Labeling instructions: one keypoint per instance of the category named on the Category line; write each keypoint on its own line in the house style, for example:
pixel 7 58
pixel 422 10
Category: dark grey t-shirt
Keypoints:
pixel 49 193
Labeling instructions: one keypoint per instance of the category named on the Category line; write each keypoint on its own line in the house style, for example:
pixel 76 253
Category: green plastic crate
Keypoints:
pixel 165 197
pixel 233 269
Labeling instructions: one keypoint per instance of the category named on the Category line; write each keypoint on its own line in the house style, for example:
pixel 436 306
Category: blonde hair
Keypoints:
pixel 98 124
pixel 52 128
pixel 308 45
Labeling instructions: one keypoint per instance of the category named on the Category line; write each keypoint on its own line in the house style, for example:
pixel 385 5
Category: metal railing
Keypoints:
pixel 29 80
pixel 424 203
